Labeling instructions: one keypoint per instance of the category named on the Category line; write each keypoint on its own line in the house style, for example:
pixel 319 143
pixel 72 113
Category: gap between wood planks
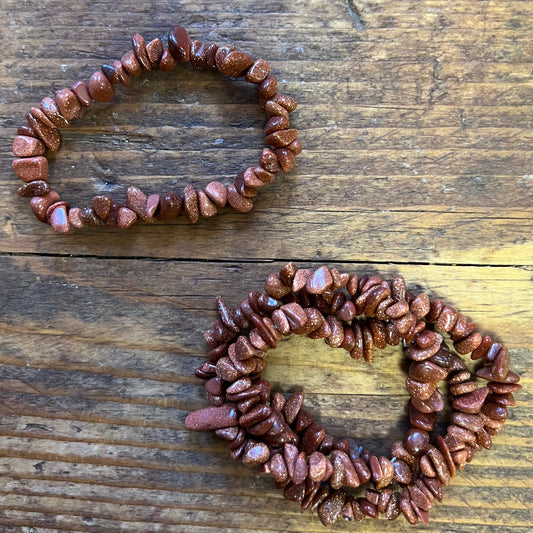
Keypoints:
pixel 230 260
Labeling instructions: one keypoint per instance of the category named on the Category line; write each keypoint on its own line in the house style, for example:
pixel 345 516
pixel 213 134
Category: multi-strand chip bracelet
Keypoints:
pixel 358 314
pixel 41 133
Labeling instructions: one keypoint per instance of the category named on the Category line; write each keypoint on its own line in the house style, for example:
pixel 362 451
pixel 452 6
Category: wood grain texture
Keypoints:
pixel 416 119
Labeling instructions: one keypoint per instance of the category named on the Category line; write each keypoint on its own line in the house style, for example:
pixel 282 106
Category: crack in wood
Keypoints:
pixel 355 15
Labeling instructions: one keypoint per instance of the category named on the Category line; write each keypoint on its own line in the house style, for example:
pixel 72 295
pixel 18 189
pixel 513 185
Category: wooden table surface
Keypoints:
pixel 416 122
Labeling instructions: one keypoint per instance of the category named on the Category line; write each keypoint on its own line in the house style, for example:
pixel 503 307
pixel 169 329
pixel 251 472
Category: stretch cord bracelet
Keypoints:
pixel 41 133
pixel 359 315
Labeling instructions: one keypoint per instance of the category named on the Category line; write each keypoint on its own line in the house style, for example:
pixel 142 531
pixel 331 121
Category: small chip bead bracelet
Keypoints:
pixel 360 315
pixel 43 122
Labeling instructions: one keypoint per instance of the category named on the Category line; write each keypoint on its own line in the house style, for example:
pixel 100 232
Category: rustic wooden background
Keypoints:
pixel 416 119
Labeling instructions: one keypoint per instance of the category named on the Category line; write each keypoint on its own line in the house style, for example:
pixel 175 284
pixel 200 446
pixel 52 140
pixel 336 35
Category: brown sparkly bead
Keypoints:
pixel 487 373
pixel 273 109
pixel 33 188
pixel 27 131
pixel 74 218
pixel 167 62
pixel 428 338
pixel 58 219
pixel 139 48
pixel 116 73
pixel 402 472
pixel 263 175
pixel 27 146
pixel 347 510
pixel 131 64
pixel 420 420
pixel 217 192
pixel 81 90
pixel 426 371
pixel 68 103
pixel 468 344
pixel 190 204
pixel 504 388
pixel 235 64
pixel 426 467
pixel 210 418
pixel 439 463
pixel 268 87
pixel 447 318
pixel 420 306
pixel 170 206
pixel 296 316
pixel 221 54
pixel 292 407
pixel 416 441
pixel 367 508
pixel 258 72
pixel 469 421
pixel 101 206
pixel 295 147
pixel 482 349
pixel 39 114
pixel 300 469
pixel 100 88
pixel 136 201
pixel 112 219
pixel 500 365
pixel 288 102
pixel 51 110
pixel 461 435
pixel 275 287
pixel 152 206
pixel 269 161
pixel 286 159
pixel 312 438
pixel 246 183
pixel 211 50
pixel 237 201
pixel 419 389
pixel 179 44
pixel 154 50
pixel 494 411
pixel 126 217
pixel 278 468
pixel 471 402
pixel 330 509
pixel 256 454
pixel 31 168
pixel 275 124
pixel 198 56
pixel 88 217
pixel 463 388
pixel 40 204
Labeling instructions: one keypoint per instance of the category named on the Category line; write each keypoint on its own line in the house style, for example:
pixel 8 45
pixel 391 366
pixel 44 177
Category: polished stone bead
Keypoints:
pixel 100 88
pixel 51 110
pixel 139 49
pixel 68 103
pixel 258 72
pixel 179 44
pixel 81 90
pixel 234 64
pixel 27 146
pixel 210 418
pixel 31 168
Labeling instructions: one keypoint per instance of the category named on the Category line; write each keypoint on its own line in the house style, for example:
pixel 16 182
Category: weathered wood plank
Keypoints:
pixel 428 236
pixel 105 402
